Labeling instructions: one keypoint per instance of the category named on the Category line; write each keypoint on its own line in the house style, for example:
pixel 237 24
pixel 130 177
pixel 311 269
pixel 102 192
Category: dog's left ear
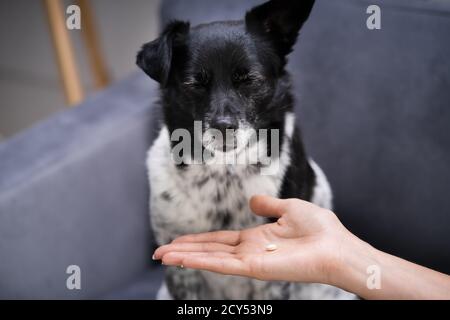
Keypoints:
pixel 155 58
pixel 279 21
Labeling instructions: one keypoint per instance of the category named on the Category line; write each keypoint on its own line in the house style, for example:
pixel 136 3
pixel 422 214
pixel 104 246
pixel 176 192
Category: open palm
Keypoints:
pixel 307 238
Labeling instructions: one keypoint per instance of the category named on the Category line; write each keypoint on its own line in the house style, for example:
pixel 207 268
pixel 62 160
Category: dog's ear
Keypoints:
pixel 155 58
pixel 279 21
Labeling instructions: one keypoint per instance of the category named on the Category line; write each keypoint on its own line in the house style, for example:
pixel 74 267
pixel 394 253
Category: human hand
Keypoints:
pixel 312 246
pixel 309 242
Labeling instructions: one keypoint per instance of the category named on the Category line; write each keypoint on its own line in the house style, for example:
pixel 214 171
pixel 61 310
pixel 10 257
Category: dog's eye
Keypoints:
pixel 240 76
pixel 201 78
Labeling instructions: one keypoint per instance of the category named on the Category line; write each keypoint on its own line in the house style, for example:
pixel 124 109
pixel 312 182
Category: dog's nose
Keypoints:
pixel 224 123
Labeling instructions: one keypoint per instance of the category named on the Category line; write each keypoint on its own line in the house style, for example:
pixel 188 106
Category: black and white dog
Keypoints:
pixel 231 76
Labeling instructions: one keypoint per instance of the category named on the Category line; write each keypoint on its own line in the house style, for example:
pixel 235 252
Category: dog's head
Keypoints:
pixel 230 74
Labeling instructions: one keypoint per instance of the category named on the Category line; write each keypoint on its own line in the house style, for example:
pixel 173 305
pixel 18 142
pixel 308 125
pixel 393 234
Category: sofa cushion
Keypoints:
pixel 74 191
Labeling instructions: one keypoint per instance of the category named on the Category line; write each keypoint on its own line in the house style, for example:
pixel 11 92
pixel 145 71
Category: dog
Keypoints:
pixel 228 76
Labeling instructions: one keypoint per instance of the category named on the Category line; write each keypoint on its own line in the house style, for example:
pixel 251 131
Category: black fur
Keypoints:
pixel 228 70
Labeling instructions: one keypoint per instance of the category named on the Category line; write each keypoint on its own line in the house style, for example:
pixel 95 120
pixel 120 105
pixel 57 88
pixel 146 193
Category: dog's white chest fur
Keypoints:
pixel 201 198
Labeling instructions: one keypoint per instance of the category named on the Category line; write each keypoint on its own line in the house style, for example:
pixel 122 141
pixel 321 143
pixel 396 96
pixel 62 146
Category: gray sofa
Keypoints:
pixel 374 108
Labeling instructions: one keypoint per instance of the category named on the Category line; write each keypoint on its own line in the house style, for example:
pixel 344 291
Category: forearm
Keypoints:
pixel 399 279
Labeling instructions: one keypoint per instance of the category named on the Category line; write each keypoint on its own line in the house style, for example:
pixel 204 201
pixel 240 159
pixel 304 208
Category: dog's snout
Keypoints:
pixel 224 123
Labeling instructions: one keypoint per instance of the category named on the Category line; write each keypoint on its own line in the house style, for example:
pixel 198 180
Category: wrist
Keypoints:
pixel 351 263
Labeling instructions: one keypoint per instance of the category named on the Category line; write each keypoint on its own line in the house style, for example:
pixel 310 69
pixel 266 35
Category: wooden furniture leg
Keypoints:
pixel 96 60
pixel 64 52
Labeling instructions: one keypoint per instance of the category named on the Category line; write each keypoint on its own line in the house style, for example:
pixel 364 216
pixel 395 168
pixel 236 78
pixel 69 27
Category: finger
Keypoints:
pixel 215 263
pixel 267 206
pixel 192 247
pixel 175 258
pixel 273 207
pixel 226 237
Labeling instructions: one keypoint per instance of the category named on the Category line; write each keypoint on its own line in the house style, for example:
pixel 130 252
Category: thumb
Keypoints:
pixel 267 206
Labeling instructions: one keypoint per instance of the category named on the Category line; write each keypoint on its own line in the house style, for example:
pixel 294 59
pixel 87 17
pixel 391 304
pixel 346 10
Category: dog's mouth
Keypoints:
pixel 215 140
pixel 230 141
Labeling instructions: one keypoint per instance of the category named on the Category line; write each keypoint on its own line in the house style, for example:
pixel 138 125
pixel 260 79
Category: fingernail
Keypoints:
pixel 153 257
pixel 181 266
pixel 162 262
